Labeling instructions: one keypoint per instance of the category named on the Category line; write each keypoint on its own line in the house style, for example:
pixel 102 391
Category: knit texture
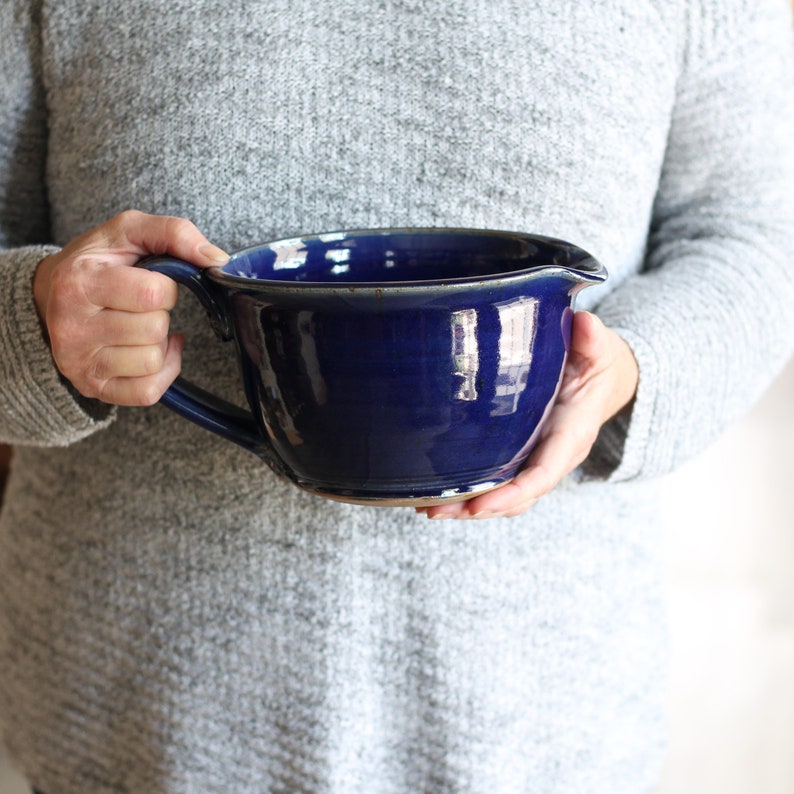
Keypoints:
pixel 176 620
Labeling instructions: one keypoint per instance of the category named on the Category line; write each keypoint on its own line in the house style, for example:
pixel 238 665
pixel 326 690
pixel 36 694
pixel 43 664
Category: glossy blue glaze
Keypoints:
pixel 410 366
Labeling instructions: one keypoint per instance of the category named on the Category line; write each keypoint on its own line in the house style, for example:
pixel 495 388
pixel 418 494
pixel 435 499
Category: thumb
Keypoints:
pixel 599 352
pixel 588 340
pixel 140 234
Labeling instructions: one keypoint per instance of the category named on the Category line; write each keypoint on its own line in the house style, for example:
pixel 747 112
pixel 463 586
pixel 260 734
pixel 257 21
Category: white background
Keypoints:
pixel 730 554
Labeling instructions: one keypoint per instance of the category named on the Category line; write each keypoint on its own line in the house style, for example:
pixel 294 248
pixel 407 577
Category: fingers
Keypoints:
pixel 111 328
pixel 128 289
pixel 565 444
pixel 144 390
pixel 107 322
pixel 554 458
pixel 112 345
pixel 533 482
pixel 127 362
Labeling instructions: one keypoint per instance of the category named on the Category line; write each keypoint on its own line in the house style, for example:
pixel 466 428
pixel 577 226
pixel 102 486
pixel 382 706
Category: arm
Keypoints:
pixel 36 406
pixel 709 321
pixel 79 327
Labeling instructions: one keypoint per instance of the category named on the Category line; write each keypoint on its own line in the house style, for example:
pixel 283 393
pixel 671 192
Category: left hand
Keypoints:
pixel 599 380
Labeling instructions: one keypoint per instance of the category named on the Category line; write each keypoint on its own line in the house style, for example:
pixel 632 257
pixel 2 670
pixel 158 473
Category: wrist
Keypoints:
pixel 42 278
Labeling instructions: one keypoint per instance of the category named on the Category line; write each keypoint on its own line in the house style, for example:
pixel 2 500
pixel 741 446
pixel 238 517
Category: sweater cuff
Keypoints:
pixel 40 407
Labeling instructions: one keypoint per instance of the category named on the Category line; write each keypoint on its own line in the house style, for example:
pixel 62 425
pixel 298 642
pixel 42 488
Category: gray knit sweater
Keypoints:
pixel 174 619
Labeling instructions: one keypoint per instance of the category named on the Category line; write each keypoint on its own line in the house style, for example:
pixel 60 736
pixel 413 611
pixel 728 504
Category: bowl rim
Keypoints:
pixel 586 270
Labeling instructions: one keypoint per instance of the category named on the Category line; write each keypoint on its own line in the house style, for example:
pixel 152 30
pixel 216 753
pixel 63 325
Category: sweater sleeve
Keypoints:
pixel 37 406
pixel 711 316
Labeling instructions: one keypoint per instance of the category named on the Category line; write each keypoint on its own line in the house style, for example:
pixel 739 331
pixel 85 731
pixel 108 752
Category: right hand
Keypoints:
pixel 108 321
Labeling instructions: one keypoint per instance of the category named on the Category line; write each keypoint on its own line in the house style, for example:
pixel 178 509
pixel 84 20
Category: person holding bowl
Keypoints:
pixel 174 617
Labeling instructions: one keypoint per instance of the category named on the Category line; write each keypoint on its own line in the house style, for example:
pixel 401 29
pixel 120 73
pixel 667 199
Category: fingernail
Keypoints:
pixel 213 253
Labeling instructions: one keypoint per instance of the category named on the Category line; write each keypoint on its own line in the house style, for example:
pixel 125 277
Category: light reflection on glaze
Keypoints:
pixel 308 355
pixel 270 389
pixel 465 354
pixel 341 259
pixel 290 254
pixel 518 319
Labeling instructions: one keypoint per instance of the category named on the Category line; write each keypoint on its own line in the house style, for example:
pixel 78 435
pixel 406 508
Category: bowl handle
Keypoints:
pixel 194 403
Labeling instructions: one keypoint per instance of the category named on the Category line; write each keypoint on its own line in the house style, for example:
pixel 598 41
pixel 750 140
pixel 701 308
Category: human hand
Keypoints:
pixel 599 380
pixel 108 321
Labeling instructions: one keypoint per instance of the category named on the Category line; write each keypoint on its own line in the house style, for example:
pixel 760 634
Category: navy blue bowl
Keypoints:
pixel 395 366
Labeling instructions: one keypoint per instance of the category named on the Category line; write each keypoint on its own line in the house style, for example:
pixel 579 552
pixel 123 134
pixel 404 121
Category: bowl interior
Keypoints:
pixel 410 255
